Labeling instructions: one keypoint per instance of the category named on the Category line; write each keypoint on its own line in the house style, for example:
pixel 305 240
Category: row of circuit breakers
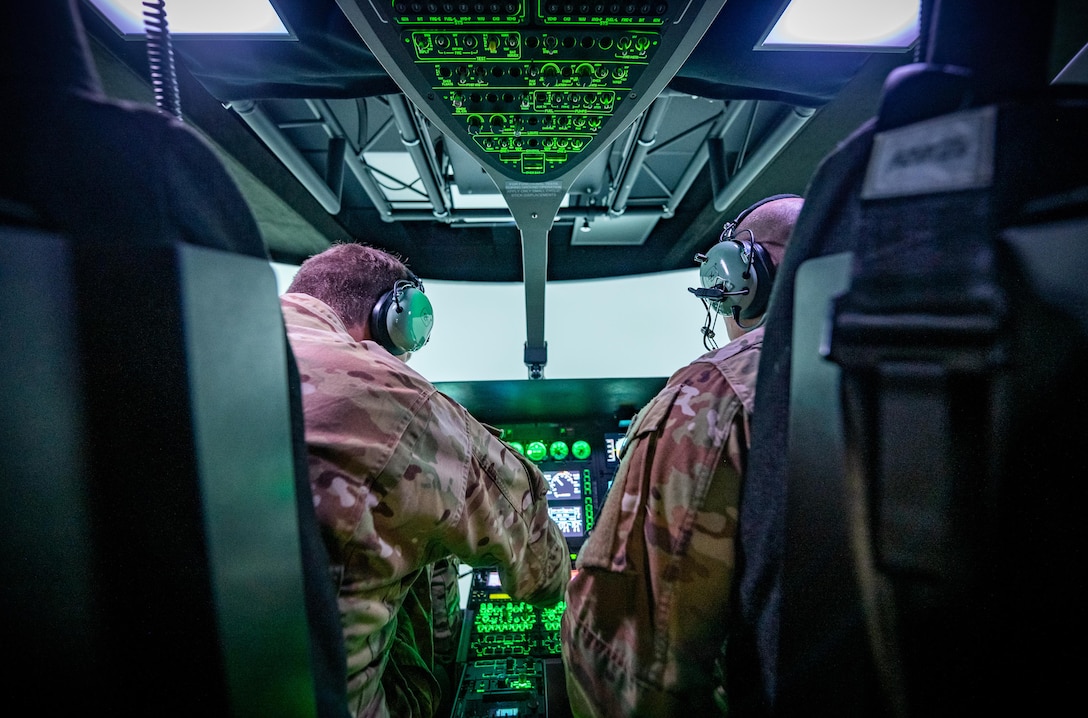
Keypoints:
pixel 534 81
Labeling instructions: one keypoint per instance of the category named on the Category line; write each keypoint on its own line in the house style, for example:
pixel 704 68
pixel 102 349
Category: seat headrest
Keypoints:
pixel 46 51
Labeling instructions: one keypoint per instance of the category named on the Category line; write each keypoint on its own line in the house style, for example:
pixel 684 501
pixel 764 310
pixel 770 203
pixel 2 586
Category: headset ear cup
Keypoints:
pixel 410 320
pixel 763 269
pixel 379 322
pixel 401 321
pixel 726 267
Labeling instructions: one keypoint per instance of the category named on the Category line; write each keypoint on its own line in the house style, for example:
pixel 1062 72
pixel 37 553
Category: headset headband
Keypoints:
pixel 729 231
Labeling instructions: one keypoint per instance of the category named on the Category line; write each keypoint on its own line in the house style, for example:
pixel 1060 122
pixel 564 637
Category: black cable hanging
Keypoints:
pixel 160 59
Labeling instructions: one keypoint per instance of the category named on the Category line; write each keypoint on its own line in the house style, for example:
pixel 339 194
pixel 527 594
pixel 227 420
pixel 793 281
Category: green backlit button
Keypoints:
pixel 581 449
pixel 516 446
pixel 537 451
pixel 559 450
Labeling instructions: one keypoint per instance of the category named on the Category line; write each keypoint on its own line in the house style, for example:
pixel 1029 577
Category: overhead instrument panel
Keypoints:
pixel 531 87
pixel 531 99
pixel 533 90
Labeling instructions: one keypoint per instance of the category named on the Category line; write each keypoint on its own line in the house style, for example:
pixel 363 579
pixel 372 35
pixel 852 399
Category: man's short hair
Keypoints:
pixel 350 278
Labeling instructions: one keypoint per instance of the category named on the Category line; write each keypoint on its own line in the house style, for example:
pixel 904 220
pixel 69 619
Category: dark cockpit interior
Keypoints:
pixel 535 142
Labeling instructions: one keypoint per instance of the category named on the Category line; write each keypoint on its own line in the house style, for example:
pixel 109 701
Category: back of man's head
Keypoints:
pixel 350 278
pixel 772 224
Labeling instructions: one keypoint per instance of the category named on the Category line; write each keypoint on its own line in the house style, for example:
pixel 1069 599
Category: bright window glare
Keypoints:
pixel 397 175
pixel 638 326
pixel 476 201
pixel 198 17
pixel 847 23
pixel 486 201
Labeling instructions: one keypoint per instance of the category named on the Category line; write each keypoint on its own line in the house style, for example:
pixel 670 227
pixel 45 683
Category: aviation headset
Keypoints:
pixel 737 275
pixel 402 318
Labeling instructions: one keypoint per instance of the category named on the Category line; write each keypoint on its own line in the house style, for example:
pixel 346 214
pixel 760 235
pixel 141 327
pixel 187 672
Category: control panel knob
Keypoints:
pixel 549 74
pixel 584 73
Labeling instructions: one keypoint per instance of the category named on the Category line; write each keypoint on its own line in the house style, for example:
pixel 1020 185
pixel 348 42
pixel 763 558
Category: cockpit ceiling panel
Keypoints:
pixel 532 88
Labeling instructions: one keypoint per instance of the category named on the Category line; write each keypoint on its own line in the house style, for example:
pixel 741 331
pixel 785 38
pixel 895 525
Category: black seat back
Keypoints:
pixel 151 523
pixel 962 345
pixel 906 548
pixel 161 550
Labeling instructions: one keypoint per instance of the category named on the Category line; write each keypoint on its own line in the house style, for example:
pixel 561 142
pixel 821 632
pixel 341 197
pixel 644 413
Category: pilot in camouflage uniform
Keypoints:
pixel 404 477
pixel 644 624
pixel 643 642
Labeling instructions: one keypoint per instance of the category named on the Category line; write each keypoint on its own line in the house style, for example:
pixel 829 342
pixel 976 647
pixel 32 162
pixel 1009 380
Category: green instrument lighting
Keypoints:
pixel 537 451
pixel 581 449
pixel 559 450
pixel 531 84
pixel 516 446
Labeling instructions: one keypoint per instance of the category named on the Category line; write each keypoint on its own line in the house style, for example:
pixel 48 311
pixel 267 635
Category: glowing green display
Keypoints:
pixel 550 617
pixel 559 450
pixel 581 449
pixel 537 451
pixel 512 628
pixel 510 617
pixel 516 446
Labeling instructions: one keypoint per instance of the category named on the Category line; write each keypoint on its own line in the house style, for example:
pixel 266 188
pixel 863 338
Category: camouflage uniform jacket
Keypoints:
pixel 403 476
pixel 644 617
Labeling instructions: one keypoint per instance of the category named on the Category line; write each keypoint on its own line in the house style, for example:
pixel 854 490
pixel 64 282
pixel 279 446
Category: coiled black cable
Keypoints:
pixel 160 58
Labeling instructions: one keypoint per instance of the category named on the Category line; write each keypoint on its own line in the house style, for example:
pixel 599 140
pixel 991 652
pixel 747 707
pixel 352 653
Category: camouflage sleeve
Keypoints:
pixel 446 611
pixel 505 522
